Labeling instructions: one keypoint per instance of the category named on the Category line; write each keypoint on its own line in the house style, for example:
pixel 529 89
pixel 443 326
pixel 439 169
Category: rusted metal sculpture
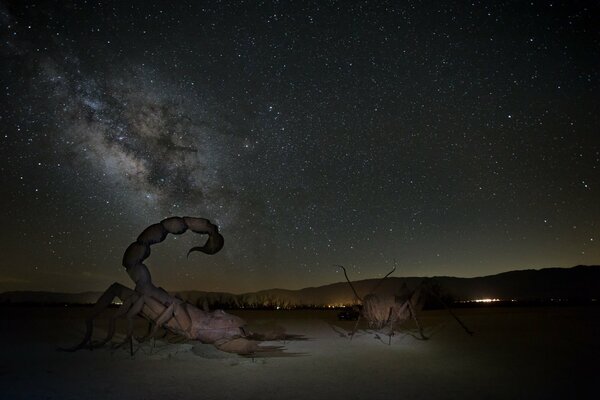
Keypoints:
pixel 224 331
pixel 386 313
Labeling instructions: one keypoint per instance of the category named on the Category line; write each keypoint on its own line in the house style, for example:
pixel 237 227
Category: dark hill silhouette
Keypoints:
pixel 580 283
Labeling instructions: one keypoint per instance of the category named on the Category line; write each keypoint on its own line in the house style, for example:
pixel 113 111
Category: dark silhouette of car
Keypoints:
pixel 348 314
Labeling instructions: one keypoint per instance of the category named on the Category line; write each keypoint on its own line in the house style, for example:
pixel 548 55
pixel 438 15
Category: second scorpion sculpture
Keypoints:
pixel 225 331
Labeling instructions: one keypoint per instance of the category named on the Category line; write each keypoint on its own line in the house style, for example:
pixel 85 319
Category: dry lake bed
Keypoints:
pixel 516 353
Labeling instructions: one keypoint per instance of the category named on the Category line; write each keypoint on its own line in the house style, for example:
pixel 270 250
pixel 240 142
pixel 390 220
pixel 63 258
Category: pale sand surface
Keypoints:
pixel 516 353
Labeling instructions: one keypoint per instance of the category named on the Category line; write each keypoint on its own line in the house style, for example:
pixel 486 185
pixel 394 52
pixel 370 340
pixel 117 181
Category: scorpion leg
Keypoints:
pixel 148 334
pixel 152 309
pixel 114 290
pixel 174 314
pixel 182 316
pixel 355 326
pixel 414 317
pixel 163 318
pixel 132 312
pixel 112 322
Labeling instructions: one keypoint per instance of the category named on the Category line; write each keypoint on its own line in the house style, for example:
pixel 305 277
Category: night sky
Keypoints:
pixel 459 138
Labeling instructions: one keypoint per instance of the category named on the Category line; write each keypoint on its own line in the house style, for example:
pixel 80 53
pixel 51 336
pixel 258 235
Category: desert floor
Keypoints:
pixel 516 353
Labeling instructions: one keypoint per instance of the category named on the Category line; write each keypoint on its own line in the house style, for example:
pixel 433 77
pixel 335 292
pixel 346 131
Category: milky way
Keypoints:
pixel 457 139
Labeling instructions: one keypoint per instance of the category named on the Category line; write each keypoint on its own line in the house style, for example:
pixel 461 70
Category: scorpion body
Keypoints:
pixel 223 330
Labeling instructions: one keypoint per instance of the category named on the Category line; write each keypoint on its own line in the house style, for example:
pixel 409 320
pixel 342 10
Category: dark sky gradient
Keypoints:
pixel 457 138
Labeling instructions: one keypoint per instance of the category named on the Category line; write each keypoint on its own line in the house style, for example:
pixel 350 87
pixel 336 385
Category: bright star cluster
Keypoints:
pixel 456 138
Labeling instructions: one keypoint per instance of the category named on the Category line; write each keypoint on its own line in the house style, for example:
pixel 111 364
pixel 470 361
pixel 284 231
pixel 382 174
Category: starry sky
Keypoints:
pixel 457 138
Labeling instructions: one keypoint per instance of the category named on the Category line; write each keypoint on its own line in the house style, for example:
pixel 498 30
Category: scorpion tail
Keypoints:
pixel 139 250
pixel 212 245
pixel 215 239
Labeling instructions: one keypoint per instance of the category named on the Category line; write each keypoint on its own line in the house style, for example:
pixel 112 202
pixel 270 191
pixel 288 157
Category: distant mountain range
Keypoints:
pixel 580 283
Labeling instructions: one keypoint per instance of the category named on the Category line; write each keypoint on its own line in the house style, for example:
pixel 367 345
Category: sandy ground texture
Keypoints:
pixel 516 353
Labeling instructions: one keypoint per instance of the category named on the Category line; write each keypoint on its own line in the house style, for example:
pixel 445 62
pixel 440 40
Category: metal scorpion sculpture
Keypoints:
pixel 225 331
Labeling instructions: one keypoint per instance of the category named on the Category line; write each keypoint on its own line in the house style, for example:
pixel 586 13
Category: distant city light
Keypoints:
pixel 485 300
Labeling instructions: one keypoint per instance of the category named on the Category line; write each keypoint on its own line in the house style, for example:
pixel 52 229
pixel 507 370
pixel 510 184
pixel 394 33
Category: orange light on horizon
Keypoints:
pixel 485 300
